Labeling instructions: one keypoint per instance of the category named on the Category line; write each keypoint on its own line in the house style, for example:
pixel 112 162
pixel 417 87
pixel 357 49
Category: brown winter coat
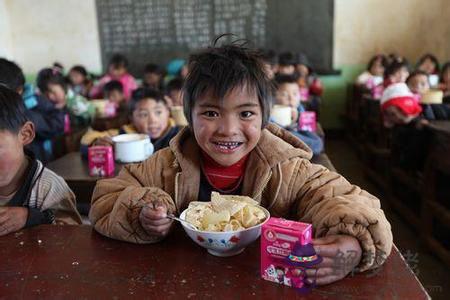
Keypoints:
pixel 278 175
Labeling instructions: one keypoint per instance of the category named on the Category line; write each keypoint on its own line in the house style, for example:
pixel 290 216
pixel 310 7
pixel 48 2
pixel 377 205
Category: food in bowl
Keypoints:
pixel 225 213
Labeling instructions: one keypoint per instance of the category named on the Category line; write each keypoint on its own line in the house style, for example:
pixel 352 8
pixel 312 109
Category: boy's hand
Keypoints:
pixel 12 219
pixel 340 253
pixel 103 141
pixel 154 219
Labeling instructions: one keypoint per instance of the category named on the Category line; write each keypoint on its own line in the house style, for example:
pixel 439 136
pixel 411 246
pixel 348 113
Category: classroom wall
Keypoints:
pixel 44 31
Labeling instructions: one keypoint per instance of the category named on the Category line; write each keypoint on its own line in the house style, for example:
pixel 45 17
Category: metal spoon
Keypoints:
pixel 189 224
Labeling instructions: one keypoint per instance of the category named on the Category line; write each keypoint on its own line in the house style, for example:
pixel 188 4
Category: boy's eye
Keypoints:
pixel 210 114
pixel 246 114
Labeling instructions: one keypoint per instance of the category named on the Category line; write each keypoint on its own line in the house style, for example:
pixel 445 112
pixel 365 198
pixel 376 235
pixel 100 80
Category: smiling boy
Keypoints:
pixel 230 147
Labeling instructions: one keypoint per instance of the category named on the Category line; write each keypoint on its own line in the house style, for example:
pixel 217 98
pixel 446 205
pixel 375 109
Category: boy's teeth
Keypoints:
pixel 227 145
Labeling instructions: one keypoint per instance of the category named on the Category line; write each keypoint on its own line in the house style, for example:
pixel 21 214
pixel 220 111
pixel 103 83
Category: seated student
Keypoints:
pixel 30 194
pixel 286 63
pixel 117 70
pixel 227 99
pixel 418 83
pixel 374 73
pixel 429 64
pixel 53 85
pixel 149 115
pixel 396 72
pixel 288 94
pixel 153 77
pixel 306 77
pixel 174 88
pixel 271 63
pixel 79 81
pixel 444 79
pixel 48 120
pixel 113 91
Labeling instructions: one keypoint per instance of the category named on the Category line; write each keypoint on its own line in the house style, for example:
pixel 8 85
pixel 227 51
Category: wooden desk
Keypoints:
pixel 75 172
pixel 76 262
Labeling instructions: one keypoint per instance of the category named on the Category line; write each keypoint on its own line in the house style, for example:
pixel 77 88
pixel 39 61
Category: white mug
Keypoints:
pixel 282 115
pixel 132 147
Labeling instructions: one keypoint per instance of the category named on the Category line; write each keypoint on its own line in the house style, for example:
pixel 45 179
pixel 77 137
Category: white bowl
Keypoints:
pixel 225 243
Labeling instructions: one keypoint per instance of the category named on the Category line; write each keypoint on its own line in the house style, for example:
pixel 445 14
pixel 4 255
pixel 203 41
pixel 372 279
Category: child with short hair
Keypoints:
pixel 174 92
pixel 286 63
pixel 79 80
pixel 30 194
pixel 153 77
pixel 396 72
pixel 117 70
pixel 418 83
pixel 230 147
pixel 373 75
pixel 53 85
pixel 287 93
pixel 149 114
pixel 113 91
pixel 271 62
pixel 48 120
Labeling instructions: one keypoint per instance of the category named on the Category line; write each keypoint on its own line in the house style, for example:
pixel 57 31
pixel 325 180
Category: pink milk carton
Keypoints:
pixel 279 239
pixel 307 121
pixel 101 161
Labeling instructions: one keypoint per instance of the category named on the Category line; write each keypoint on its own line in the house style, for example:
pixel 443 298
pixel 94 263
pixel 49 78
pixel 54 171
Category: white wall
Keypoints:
pixel 45 31
pixel 6 49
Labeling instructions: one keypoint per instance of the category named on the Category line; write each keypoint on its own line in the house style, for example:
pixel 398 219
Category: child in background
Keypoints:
pixel 373 76
pixel 79 81
pixel 53 85
pixel 113 91
pixel 153 77
pixel 430 65
pixel 288 94
pixel 174 92
pixel 117 70
pixel 149 115
pixel 48 120
pixel 286 63
pixel 230 147
pixel 396 72
pixel 444 79
pixel 306 77
pixel 30 194
pixel 418 83
pixel 271 63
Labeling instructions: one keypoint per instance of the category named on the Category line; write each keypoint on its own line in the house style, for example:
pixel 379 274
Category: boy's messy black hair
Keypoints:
pixel 153 68
pixel 12 110
pixel 80 69
pixel 118 61
pixel 11 75
pixel 287 59
pixel 394 66
pixel 220 69
pixel 50 76
pixel 113 85
pixel 414 74
pixel 146 93
pixel 430 57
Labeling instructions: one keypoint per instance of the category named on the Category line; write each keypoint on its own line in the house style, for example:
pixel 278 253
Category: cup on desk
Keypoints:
pixel 178 115
pixel 131 148
pixel 282 115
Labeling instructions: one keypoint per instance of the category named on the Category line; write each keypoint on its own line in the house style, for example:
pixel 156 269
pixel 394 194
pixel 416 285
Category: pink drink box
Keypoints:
pixel 307 121
pixel 101 161
pixel 278 237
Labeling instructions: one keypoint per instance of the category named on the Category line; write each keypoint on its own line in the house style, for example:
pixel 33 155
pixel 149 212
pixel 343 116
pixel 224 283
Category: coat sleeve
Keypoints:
pixel 117 202
pixel 334 206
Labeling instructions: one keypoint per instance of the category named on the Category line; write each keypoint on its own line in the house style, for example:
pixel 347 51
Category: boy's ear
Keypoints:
pixel 26 134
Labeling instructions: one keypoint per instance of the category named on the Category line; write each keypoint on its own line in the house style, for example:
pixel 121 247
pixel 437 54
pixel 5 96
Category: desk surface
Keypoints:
pixel 51 261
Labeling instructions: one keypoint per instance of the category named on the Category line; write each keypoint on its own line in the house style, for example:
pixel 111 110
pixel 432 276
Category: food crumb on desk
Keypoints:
pixel 191 295
pixel 21 243
pixel 35 276
pixel 75 263
pixel 183 281
pixel 39 242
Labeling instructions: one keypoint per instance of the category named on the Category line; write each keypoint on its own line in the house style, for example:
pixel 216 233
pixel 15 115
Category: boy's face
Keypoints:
pixel 302 70
pixel 227 129
pixel 286 69
pixel 400 76
pixel 177 97
pixel 116 96
pixel 117 71
pixel 151 117
pixel 57 95
pixel 11 153
pixel 76 78
pixel 152 79
pixel 288 94
pixel 419 84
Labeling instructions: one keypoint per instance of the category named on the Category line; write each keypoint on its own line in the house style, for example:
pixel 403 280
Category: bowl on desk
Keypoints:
pixel 227 243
